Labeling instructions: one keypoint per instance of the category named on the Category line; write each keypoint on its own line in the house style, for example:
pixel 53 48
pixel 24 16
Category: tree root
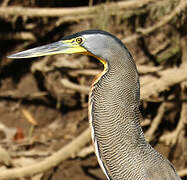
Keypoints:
pixel 166 19
pixel 168 78
pixel 66 152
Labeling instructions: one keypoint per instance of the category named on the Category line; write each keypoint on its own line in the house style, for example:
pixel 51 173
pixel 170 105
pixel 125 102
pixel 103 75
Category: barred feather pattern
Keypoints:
pixel 120 146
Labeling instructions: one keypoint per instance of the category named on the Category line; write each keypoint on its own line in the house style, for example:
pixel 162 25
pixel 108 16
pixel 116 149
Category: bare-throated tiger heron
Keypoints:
pixel 120 146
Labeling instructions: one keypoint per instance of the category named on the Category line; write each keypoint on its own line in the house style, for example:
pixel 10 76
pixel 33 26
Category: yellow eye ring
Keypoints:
pixel 79 40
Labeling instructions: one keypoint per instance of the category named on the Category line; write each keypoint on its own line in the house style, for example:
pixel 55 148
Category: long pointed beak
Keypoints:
pixel 59 47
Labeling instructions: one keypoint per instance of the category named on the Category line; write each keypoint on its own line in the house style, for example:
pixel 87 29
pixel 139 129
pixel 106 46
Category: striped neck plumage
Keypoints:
pixel 114 112
pixel 114 97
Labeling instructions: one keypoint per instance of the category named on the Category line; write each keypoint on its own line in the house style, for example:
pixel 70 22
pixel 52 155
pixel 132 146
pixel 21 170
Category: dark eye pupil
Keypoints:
pixel 79 40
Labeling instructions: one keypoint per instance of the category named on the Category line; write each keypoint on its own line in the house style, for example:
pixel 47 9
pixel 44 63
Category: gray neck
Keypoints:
pixel 115 116
pixel 115 98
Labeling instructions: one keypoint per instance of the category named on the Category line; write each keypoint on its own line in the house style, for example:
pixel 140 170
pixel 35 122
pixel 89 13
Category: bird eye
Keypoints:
pixel 79 40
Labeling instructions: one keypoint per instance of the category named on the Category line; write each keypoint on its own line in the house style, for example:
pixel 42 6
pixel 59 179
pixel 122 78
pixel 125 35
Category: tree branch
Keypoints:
pixel 165 19
pixel 60 12
pixel 168 78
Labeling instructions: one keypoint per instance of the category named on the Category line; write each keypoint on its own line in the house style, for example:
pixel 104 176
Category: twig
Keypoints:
pixel 52 161
pixel 85 151
pixel 144 69
pixel 16 95
pixel 145 122
pixel 161 47
pixel 59 12
pixel 17 36
pixel 31 153
pixel 68 84
pixel 28 116
pixel 182 173
pixel 5 3
pixel 132 38
pixel 170 53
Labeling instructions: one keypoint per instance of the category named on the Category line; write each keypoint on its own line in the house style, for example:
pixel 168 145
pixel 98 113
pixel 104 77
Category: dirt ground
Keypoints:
pixel 39 115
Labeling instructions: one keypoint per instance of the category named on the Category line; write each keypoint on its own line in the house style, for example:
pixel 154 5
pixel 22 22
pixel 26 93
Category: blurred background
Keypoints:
pixel 44 101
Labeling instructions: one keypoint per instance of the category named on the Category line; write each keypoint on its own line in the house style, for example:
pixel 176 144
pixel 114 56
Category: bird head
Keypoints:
pixel 95 43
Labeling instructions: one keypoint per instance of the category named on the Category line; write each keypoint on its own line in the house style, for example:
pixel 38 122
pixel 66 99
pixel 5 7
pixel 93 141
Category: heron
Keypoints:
pixel 119 143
